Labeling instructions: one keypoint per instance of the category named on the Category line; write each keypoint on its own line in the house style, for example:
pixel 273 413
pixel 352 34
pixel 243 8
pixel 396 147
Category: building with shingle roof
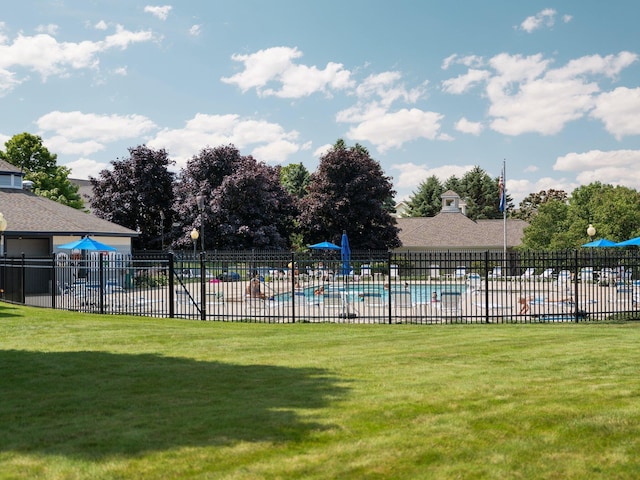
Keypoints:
pixel 452 230
pixel 37 225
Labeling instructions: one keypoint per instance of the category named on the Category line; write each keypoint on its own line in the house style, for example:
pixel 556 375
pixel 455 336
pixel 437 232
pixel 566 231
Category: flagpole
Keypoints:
pixel 504 211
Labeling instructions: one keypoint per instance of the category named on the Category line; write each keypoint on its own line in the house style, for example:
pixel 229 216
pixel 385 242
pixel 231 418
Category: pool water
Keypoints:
pixel 419 293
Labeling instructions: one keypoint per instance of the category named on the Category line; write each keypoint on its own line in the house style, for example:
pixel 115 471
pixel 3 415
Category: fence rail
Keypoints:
pixel 377 287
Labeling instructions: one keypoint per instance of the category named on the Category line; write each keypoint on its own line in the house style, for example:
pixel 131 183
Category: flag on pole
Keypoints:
pixel 503 195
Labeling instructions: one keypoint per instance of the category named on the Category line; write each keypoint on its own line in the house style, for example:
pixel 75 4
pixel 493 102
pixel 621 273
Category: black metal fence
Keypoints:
pixel 374 287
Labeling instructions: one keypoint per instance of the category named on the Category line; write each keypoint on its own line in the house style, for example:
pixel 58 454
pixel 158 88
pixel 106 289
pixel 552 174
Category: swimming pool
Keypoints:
pixel 420 293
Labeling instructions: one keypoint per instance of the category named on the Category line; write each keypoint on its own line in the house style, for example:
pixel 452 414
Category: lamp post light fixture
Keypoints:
pixel 591 232
pixel 194 239
pixel 3 227
pixel 200 202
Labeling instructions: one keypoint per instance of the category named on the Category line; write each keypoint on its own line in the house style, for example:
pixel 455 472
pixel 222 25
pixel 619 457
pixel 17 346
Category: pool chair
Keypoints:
pixel 586 275
pixel 496 272
pixel 475 283
pixel 337 304
pixel 450 304
pixel 402 301
pixel 529 273
pixel 460 272
pixel 546 275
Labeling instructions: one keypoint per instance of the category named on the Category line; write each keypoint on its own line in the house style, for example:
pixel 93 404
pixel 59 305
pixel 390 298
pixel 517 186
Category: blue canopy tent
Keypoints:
pixel 325 246
pixel 87 243
pixel 345 254
pixel 601 242
pixel 629 243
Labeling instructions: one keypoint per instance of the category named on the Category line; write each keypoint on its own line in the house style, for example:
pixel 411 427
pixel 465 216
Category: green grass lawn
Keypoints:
pixel 90 396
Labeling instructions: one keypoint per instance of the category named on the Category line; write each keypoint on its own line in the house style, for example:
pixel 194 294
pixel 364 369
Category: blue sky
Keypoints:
pixel 429 87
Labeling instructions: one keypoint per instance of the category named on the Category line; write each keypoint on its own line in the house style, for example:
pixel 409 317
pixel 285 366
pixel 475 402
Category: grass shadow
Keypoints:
pixel 97 404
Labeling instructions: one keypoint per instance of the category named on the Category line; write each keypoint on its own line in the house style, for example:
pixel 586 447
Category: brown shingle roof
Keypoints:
pixel 6 167
pixel 454 230
pixel 27 213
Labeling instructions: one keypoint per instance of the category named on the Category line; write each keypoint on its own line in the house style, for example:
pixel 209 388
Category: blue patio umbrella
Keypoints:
pixel 601 242
pixel 87 243
pixel 325 246
pixel 630 242
pixel 345 254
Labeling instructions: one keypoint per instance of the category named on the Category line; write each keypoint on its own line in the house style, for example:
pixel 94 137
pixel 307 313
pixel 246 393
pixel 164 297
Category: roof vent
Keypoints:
pixel 27 185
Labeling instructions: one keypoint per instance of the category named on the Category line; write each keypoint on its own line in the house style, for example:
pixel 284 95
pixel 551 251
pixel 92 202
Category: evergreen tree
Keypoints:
pixel 426 202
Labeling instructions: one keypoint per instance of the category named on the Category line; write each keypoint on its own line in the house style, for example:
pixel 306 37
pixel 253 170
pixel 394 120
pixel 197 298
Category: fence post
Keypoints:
pixel 203 287
pixel 389 260
pixel 170 259
pixel 54 285
pixel 23 280
pixel 486 286
pixel 293 286
pixel 101 281
pixel 575 288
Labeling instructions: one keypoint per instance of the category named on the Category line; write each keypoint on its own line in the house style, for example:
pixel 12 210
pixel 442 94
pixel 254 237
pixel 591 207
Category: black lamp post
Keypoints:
pixel 591 232
pixel 200 201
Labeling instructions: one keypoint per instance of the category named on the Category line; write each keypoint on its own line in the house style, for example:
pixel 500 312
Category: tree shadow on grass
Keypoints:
pixel 97 404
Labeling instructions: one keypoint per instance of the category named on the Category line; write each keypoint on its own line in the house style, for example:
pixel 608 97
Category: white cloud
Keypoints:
pixel 101 25
pixel 527 96
pixel 63 145
pixel 471 61
pixel 321 150
pixel 84 168
pixel 463 83
pixel 617 167
pixel 101 128
pixel 45 55
pixel 465 126
pixel 392 130
pixel 544 18
pixel 275 66
pixel 387 87
pixel 275 152
pixel 50 29
pixel 195 30
pixel 618 110
pixel 121 71
pixel 412 175
pixel 159 12
pixel 270 142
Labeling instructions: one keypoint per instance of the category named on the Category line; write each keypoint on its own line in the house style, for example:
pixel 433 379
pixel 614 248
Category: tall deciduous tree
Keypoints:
pixel 349 191
pixel 137 193
pixel 50 180
pixel 529 206
pixel 245 205
pixel 563 224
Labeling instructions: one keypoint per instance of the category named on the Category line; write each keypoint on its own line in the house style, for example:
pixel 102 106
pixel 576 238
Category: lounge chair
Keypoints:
pixel 528 273
pixel 475 283
pixel 337 303
pixel 496 272
pixel 460 272
pixel 546 275
pixel 586 275
pixel 401 301
pixel 450 303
